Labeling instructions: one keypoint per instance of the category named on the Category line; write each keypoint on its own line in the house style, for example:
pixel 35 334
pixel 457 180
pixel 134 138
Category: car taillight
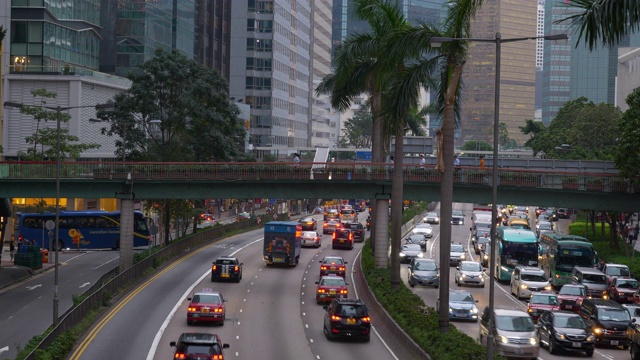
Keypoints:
pixel 365 319
pixel 217 357
pixel 335 318
pixel 344 291
pixel 324 225
pixel 342 268
pixel 350 236
pixel 321 291
pixel 236 268
pixel 334 235
pixel 218 310
pixel 180 356
pixel 192 308
pixel 323 267
pixel 530 310
pixel 214 267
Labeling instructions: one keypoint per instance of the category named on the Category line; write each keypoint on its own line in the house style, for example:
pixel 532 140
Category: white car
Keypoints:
pixel 469 273
pixel 311 238
pixel 431 218
pixel 409 252
pixel 423 229
pixel 526 280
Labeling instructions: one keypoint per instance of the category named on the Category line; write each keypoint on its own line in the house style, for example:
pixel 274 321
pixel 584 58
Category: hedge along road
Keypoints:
pixel 503 298
pixel 268 315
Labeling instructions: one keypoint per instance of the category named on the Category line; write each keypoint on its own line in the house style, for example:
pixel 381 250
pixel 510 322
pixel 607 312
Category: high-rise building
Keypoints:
pixel 270 69
pixel 212 35
pixel 517 74
pixel 539 60
pixel 321 129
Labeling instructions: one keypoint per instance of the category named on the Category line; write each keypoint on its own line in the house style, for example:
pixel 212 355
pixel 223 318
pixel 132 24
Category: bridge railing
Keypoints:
pixel 568 179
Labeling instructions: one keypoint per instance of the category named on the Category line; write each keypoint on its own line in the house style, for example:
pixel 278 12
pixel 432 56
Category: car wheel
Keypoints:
pixel 625 347
pixel 635 352
pixel 189 322
pixel 589 353
pixel 552 347
pixel 238 279
pixel 213 279
pixel 327 334
pixel 482 286
pixel 368 338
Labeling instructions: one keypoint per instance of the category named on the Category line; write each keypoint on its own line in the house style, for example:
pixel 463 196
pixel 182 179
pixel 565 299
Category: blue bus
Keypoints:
pixel 514 247
pixel 560 253
pixel 79 229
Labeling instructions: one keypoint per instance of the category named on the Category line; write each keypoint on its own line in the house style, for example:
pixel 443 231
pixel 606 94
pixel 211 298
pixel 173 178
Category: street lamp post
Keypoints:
pixel 497 40
pixel 58 109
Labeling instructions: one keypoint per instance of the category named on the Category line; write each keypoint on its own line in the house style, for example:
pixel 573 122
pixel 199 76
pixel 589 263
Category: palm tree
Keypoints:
pixel 362 66
pixel 604 20
pixel 449 59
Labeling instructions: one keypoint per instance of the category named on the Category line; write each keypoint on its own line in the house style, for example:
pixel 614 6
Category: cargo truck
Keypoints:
pixel 282 243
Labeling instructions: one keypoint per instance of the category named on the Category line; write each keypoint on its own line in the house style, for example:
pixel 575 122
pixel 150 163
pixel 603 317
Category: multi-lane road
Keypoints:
pixel 270 314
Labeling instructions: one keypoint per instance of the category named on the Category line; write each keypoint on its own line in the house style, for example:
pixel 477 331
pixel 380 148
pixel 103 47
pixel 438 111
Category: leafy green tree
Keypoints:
pixel 476 145
pixel 43 142
pixel 580 130
pixel 627 155
pixel 504 140
pixel 604 21
pixel 357 130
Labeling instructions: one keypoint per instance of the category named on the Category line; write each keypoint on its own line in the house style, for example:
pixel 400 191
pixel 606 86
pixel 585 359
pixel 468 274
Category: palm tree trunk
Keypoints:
pixel 377 156
pixel 446 193
pixel 397 189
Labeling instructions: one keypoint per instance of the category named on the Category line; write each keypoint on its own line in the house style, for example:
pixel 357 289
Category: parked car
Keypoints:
pixel 424 272
pixel 567 331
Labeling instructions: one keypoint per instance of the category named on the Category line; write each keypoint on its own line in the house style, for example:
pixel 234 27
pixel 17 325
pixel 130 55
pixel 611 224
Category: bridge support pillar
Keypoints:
pixel 382 232
pixel 126 234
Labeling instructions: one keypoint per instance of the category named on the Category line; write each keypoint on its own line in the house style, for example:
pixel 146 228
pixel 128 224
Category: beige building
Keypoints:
pixel 512 19
pixel 628 78
pixel 320 125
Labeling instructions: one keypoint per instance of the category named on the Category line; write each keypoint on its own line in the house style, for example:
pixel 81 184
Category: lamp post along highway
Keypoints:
pixel 497 40
pixel 58 109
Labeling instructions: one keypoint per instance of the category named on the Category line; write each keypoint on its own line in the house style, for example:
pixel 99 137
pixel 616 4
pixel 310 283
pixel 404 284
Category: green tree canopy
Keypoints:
pixel 43 142
pixel 357 130
pixel 580 130
pixel 175 110
pixel 476 145
pixel 627 156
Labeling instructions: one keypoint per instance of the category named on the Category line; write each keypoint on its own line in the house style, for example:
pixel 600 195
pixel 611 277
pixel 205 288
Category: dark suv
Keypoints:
pixel 347 318
pixel 358 230
pixel 608 319
pixel 195 346
pixel 342 238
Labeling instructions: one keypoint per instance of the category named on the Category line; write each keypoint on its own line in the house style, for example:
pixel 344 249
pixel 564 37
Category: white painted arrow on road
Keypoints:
pixel 85 284
pixel 31 288
pixel 6 348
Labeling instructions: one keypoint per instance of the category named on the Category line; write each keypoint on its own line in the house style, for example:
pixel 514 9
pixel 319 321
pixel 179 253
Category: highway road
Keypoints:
pixel 270 314
pixel 503 298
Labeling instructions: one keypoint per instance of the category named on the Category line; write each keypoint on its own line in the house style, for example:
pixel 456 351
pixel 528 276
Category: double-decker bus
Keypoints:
pixel 79 229
pixel 514 247
pixel 560 253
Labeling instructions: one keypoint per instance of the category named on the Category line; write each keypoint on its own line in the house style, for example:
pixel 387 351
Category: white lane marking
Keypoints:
pixel 310 340
pixel 306 326
pixel 432 244
pixel 101 265
pixel 85 284
pixel 165 324
pixel 355 289
pixel 6 348
pixel 33 287
pixel 605 355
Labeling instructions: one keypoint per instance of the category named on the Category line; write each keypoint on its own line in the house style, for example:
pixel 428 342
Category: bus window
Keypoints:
pixel 66 223
pixel 33 223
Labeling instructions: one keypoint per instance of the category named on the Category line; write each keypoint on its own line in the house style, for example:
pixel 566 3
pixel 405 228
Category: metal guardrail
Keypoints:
pixel 112 281
pixel 142 172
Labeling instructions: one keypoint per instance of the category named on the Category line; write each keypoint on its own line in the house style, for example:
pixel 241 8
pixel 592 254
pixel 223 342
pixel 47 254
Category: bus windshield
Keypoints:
pixel 514 254
pixel 570 257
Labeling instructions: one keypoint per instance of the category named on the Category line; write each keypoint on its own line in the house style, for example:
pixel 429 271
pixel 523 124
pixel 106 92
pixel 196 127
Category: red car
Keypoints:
pixel 570 296
pixel 540 302
pixel 331 287
pixel 206 306
pixel 333 265
pixel 623 290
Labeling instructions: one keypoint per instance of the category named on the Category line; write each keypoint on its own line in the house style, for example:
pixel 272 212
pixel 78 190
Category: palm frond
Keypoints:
pixel 458 19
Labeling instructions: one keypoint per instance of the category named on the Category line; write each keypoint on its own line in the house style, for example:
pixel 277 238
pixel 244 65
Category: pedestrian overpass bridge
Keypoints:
pixel 576 188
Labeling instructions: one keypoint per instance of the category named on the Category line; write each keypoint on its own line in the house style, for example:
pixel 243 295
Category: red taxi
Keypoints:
pixel 331 287
pixel 570 296
pixel 623 290
pixel 540 302
pixel 206 306
pixel 333 265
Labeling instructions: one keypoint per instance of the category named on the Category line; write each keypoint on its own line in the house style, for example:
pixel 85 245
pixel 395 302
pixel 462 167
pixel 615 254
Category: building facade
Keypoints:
pixel 628 78
pixel 321 130
pixel 212 35
pixel 517 74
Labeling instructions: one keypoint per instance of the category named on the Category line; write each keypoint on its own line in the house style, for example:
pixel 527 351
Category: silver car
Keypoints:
pixel 423 229
pixel 431 218
pixel 311 238
pixel 424 272
pixel 469 273
pixel 457 255
pixel 410 252
pixel 514 333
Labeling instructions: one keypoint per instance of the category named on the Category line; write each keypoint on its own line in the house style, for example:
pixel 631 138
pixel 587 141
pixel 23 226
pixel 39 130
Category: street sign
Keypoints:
pixel 363 155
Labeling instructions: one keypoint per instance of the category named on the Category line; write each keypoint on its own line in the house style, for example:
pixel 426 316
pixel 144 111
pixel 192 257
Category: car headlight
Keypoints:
pixel 481 278
pixel 523 286
pixel 548 287
pixel 474 310
pixel 463 256
pixel 560 336
pixel 533 341
pixel 420 254
pixel 463 275
pixel 591 337
pixel 450 310
pixel 503 339
pixel 597 330
pixel 402 255
pixel 486 257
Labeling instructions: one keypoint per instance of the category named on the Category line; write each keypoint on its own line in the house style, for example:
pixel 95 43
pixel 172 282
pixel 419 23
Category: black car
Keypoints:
pixel 342 238
pixel 565 330
pixel 457 217
pixel 417 239
pixel 347 318
pixel 195 346
pixel 608 319
pixel 563 213
pixel 226 268
pixel 357 229
pixel 308 223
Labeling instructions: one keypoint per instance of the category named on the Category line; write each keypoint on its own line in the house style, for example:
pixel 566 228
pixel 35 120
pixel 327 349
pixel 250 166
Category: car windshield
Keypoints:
pixel 572 322
pixel 514 323
pixel 594 279
pixel 352 310
pixel 207 299
pixel 570 257
pixel 337 281
pixel 483 240
pixel 614 315
pixel 411 247
pixel 470 267
pixel 425 265
pixel 457 213
pixel 573 290
pixel 461 296
pixel 545 226
pixel 423 226
pixel 197 349
pixel 337 261
pixel 627 284
pixel 617 271
pixel 225 262
pixel 457 248
pixel 432 215
pixel 534 277
pixel 416 238
pixel 485 226
pixel 309 220
pixel 544 299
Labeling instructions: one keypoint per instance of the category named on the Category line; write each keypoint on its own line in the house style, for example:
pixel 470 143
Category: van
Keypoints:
pixel 608 319
pixel 514 333
pixel 348 215
pixel 594 279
